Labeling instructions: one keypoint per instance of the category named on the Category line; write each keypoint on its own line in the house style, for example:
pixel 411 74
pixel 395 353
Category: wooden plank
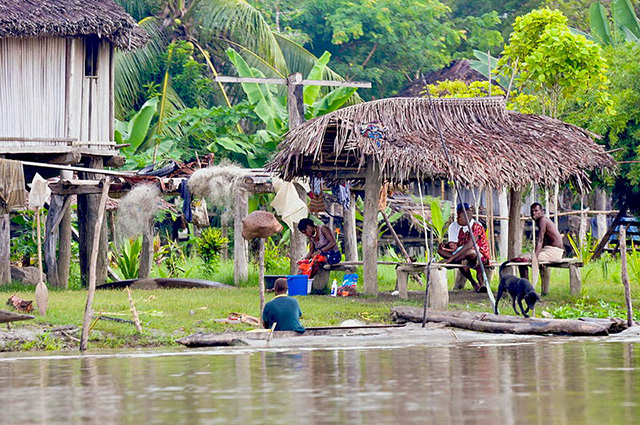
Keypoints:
pixel 281 81
pixel 64 242
pixel 37 139
pixel 372 186
pixel 10 316
pixel 240 247
pixel 349 228
pixel 605 238
pixel 79 169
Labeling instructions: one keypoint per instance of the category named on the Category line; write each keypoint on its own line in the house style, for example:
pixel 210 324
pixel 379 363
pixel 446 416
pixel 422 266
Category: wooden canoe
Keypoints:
pixel 162 283
pixel 10 316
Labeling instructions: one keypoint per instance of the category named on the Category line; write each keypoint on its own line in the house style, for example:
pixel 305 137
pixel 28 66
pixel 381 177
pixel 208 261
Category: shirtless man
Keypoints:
pixel 549 245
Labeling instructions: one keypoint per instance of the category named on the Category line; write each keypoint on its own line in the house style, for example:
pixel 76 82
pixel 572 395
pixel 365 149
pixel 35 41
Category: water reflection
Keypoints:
pixel 554 381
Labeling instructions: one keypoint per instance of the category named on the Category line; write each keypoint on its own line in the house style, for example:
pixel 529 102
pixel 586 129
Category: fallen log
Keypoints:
pixel 10 316
pixel 486 322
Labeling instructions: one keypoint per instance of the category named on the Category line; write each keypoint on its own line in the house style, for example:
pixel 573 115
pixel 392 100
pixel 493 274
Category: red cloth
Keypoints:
pixel 481 240
pixel 311 267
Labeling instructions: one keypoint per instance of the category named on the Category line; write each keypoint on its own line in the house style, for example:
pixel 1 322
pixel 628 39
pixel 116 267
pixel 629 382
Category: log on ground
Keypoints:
pixel 9 316
pixel 486 322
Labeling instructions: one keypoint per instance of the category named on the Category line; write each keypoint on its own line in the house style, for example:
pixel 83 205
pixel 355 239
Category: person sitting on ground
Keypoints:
pixel 322 245
pixel 466 251
pixel 549 246
pixel 283 310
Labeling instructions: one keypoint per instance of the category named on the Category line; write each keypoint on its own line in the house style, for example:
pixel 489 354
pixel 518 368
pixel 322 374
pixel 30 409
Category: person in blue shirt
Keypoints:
pixel 283 310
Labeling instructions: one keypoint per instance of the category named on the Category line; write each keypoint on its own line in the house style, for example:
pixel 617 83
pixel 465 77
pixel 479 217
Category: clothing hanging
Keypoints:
pixel 11 185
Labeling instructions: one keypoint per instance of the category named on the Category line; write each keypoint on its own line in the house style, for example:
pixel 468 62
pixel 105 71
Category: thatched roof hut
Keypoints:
pixel 70 18
pixel 489 145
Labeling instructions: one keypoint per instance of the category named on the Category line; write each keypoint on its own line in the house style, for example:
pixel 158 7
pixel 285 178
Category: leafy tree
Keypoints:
pixel 387 42
pixel 554 63
pixel 507 10
pixel 626 26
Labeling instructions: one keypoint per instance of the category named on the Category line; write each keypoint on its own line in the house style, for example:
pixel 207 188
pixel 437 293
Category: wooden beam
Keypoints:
pixel 514 244
pixel 79 169
pixel 349 230
pixel 64 241
pixel 66 158
pixel 282 82
pixel 605 238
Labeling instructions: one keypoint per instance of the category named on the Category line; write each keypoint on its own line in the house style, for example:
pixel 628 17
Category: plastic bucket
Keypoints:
pixel 298 284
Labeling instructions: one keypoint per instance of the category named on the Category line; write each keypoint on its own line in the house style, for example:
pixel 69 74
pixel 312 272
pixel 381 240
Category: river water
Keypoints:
pixel 541 381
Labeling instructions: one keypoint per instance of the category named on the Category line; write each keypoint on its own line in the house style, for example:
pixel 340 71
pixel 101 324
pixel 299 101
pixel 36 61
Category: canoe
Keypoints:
pixel 162 283
pixel 10 316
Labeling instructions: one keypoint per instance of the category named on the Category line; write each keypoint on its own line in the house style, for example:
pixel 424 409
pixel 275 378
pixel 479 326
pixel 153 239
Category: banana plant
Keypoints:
pixel 135 131
pixel 270 107
pixel 625 25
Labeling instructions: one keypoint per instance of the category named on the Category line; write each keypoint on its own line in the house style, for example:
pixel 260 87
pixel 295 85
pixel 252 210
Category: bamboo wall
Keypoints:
pixel 44 93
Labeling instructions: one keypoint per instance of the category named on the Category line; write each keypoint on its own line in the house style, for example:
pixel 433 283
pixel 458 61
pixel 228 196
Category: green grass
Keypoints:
pixel 169 314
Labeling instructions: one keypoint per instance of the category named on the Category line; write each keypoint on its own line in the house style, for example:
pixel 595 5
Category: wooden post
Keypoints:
pixel 261 273
pixel 503 243
pixel 372 186
pixel 224 250
pixel 87 216
pixel 490 229
pixel 5 249
pixel 146 252
pixel 625 276
pixel 601 205
pixel 51 233
pixel 240 248
pixel 582 232
pixel 42 293
pixel 64 240
pixel 93 261
pixel 604 240
pixel 556 190
pixel 514 244
pixel 349 227
pixel 298 245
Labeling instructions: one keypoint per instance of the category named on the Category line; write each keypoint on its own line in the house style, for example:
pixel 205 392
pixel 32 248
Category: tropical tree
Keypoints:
pixel 187 47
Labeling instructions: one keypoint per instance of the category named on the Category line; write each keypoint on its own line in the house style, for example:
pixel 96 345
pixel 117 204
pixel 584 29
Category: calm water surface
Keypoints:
pixel 553 381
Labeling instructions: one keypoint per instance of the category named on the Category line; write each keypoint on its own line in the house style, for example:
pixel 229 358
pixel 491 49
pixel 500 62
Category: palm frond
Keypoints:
pixel 133 66
pixel 139 9
pixel 238 21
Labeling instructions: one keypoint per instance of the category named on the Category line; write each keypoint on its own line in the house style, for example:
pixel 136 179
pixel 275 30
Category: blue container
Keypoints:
pixel 298 284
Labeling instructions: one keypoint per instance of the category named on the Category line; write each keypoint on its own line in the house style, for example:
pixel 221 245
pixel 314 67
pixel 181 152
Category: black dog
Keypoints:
pixel 519 289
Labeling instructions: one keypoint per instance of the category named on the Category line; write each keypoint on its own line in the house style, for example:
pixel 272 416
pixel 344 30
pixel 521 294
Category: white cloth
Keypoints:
pixel 39 193
pixel 289 206
pixel 454 230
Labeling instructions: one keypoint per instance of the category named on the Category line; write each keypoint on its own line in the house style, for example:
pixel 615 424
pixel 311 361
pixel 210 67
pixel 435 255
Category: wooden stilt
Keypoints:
pixel 93 260
pixel 298 245
pixel 240 247
pixel 261 273
pixel 625 275
pixel 503 243
pixel 146 253
pixel 490 227
pixel 372 186
pixel 514 244
pixel 64 240
pixel 349 227
pixel 5 249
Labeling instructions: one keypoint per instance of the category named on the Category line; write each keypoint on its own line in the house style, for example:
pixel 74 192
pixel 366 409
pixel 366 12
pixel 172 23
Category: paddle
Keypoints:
pixel 38 195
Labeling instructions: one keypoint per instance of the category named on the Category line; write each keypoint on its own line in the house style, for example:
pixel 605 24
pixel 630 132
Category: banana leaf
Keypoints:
pixel 599 23
pixel 624 16
pixel 310 93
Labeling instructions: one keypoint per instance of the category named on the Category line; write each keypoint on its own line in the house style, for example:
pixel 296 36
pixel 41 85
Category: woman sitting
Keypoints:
pixel 322 246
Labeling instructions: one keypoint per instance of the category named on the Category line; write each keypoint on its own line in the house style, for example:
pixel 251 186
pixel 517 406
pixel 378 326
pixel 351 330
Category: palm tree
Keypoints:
pixel 212 26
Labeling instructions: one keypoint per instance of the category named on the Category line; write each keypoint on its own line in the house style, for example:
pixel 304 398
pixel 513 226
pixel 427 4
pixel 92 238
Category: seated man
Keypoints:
pixel 283 310
pixel 549 245
pixel 466 251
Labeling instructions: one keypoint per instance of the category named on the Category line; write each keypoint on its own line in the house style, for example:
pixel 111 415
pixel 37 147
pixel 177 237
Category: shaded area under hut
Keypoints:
pixel 397 141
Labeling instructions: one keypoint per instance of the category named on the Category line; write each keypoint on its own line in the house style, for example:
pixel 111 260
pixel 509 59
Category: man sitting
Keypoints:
pixel 549 245
pixel 466 251
pixel 283 310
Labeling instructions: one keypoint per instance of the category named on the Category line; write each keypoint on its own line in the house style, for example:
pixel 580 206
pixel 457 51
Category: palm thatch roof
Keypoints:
pixel 70 18
pixel 489 145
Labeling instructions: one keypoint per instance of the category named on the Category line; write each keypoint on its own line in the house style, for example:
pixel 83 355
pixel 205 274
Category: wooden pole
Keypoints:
pixel 556 190
pixel 372 186
pixel 240 247
pixel 601 205
pixel 349 227
pixel 134 311
pixel 490 227
pixel 88 310
pixel 514 244
pixel 395 236
pixel 503 204
pixel 5 249
pixel 146 252
pixel 64 240
pixel 261 273
pixel 625 276
pixel 42 293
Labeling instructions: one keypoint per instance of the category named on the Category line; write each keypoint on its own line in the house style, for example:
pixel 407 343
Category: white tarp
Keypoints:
pixel 288 204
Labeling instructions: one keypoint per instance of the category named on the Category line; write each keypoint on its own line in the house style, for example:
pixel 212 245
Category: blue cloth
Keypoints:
pixel 333 257
pixel 186 204
pixel 285 312
pixel 342 192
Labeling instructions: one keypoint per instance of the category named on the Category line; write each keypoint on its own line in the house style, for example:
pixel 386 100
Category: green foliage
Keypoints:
pixel 188 76
pixel 382 225
pixel 216 130
pixel 135 131
pixel 586 249
pixel 480 33
pixel 439 213
pixel 584 307
pixel 126 258
pixel 208 246
pixel 24 245
pixel 554 63
pixel 276 257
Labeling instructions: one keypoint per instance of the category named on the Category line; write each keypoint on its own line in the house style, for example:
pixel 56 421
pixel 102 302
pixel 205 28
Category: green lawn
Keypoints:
pixel 169 314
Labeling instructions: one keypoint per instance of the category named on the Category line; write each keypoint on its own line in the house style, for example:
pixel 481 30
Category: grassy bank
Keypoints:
pixel 171 313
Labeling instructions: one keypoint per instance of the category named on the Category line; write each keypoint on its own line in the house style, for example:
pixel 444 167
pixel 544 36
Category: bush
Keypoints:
pixel 208 246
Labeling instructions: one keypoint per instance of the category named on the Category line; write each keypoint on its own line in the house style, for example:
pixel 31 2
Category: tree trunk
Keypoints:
pixel 601 205
pixel 146 253
pixel 298 245
pixel 51 235
pixel 503 243
pixel 372 186
pixel 514 244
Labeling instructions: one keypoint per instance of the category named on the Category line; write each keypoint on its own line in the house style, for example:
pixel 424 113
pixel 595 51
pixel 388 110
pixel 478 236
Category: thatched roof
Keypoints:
pixel 489 146
pixel 70 18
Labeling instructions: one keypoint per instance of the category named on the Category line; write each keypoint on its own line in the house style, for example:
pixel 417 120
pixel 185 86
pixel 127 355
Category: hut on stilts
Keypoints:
pixel 57 62
pixel 489 146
